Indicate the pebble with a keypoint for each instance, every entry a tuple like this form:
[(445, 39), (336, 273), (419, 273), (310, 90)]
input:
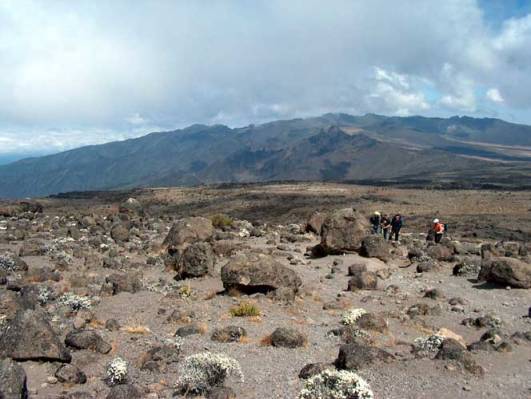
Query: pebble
[(51, 380)]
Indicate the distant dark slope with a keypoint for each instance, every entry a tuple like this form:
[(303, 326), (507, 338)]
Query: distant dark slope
[(334, 155), (119, 164), (359, 147)]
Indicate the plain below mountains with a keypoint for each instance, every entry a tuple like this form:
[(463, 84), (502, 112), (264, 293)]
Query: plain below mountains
[(460, 151)]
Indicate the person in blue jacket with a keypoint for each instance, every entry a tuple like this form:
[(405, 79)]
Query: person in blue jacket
[(396, 225)]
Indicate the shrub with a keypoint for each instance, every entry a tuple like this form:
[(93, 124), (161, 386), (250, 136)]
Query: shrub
[(75, 302), (185, 291), (117, 371), (333, 384), (221, 220), (203, 371), (245, 309), (350, 317), (427, 345)]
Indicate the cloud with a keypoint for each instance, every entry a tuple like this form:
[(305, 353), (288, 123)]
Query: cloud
[(494, 95), (96, 71)]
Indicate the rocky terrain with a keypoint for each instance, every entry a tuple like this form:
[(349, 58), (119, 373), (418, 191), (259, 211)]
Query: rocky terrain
[(265, 291)]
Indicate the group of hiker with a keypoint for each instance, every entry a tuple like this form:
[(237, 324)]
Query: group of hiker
[(390, 227)]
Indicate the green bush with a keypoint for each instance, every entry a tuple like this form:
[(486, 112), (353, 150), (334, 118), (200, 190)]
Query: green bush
[(245, 309), (221, 220)]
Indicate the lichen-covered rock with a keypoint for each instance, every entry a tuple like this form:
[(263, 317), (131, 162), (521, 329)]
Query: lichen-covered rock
[(288, 338), (196, 260), (315, 222), (363, 281), (187, 231), (122, 282), (12, 380), (228, 334), (87, 339), (355, 356), (342, 231), (29, 336), (506, 271), (120, 233), (440, 252), (251, 272), (70, 374), (375, 247)]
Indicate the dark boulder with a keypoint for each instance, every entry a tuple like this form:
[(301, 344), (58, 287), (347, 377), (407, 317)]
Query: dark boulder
[(125, 391), (29, 336), (228, 334), (363, 281), (506, 271), (355, 356), (87, 339), (12, 380), (187, 231), (342, 231), (375, 247), (315, 222), (70, 374), (249, 273), (196, 260), (288, 338)]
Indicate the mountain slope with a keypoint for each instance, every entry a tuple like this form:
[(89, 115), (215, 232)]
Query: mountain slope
[(357, 148)]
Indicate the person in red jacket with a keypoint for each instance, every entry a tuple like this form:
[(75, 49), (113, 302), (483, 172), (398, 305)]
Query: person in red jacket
[(438, 230)]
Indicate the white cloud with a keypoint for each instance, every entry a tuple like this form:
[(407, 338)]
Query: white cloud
[(494, 95), (393, 93), (122, 67)]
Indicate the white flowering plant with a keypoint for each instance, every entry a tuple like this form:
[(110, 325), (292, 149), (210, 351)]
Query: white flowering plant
[(117, 371), (75, 302), (203, 371), (336, 384), (350, 317), (427, 345)]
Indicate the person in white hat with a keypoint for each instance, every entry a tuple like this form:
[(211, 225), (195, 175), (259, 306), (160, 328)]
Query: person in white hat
[(438, 230)]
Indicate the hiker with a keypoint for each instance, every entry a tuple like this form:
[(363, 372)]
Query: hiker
[(396, 225), (385, 225), (438, 230), (375, 222)]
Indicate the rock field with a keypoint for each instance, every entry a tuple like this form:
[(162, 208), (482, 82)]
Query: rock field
[(275, 291)]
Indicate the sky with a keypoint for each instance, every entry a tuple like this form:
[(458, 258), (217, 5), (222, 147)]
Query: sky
[(92, 71)]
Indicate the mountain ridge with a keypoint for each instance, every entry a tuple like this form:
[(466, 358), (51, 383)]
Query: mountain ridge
[(328, 147)]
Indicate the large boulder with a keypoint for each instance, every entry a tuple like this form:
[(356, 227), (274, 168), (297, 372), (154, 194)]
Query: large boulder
[(375, 247), (343, 231), (315, 222), (506, 271), (12, 380), (363, 280), (122, 282), (187, 231), (196, 260), (288, 338), (120, 233), (29, 336), (355, 356), (258, 273), (440, 252), (131, 206), (87, 339)]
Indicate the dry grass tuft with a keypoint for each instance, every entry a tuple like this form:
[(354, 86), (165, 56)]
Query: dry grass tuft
[(141, 330), (266, 341), (245, 309)]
